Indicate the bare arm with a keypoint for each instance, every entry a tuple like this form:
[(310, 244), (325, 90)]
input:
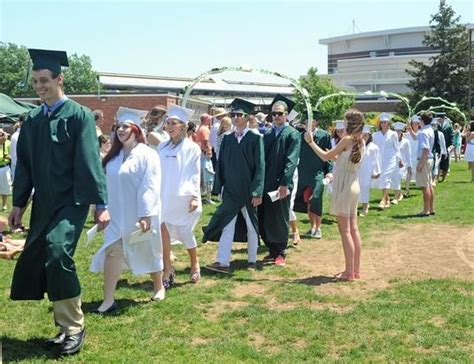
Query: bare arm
[(331, 154)]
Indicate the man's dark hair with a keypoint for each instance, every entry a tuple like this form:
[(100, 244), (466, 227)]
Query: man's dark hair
[(97, 114), (426, 117)]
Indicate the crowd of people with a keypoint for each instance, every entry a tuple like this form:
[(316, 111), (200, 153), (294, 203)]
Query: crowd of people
[(144, 182)]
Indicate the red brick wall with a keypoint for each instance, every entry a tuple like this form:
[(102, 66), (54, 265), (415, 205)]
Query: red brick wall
[(110, 103)]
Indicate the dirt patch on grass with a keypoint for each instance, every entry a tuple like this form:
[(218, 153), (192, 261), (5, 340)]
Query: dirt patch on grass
[(413, 253)]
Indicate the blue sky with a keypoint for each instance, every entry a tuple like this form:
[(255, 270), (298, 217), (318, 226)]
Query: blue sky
[(186, 38)]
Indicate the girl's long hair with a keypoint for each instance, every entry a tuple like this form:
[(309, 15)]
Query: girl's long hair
[(355, 125), (117, 144)]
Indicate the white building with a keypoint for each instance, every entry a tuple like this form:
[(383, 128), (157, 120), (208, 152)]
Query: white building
[(377, 60)]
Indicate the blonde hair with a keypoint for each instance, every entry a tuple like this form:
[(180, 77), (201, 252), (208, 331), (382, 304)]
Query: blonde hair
[(355, 125), (226, 121)]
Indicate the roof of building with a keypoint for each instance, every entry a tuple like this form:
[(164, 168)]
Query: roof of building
[(382, 33), (179, 83)]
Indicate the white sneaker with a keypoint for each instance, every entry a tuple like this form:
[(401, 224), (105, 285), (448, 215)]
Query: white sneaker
[(159, 296), (318, 234)]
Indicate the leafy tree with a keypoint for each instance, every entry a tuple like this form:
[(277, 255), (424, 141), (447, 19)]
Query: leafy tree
[(446, 75), (15, 62), (79, 77), (331, 109)]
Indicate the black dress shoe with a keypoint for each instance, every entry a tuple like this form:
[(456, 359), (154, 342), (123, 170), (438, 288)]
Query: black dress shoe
[(72, 343), (57, 340), (112, 308)]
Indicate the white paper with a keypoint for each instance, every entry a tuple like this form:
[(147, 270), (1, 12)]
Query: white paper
[(139, 237), (91, 234), (292, 115), (274, 195)]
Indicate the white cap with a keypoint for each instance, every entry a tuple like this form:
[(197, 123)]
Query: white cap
[(340, 125), (398, 126), (384, 117), (125, 114), (180, 113), (367, 129), (415, 119)]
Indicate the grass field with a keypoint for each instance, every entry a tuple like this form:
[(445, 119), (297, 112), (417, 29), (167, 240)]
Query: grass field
[(414, 303)]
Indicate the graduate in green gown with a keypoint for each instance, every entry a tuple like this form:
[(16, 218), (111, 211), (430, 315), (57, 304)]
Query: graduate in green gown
[(311, 172), (58, 159), (282, 149), (240, 173)]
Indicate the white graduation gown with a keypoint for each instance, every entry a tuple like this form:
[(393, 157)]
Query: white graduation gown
[(133, 189), (405, 157), (369, 166), (181, 180), (389, 152), (413, 157)]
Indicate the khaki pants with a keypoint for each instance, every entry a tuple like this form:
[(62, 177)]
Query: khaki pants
[(68, 315)]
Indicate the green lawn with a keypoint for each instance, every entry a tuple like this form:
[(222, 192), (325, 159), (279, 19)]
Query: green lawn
[(271, 315)]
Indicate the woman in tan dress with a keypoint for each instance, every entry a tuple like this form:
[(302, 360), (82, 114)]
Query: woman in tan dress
[(349, 152)]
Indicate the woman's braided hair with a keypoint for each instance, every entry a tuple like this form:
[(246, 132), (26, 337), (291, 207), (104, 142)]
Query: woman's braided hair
[(355, 125)]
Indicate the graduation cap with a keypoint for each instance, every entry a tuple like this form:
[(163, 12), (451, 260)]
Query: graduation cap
[(125, 114), (398, 126), (384, 117), (47, 59), (291, 104), (340, 125), (242, 105), (367, 129), (180, 113)]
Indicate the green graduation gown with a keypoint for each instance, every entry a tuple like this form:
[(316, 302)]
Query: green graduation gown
[(240, 170), (281, 159), (311, 172), (58, 156)]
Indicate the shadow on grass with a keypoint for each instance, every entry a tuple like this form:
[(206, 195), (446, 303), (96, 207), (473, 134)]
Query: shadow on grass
[(316, 281), (123, 304), (410, 216), (30, 349)]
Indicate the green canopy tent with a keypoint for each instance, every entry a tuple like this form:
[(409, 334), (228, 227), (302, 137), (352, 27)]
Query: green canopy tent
[(11, 109)]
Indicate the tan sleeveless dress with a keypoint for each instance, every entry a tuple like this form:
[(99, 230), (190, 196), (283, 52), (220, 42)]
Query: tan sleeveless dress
[(346, 188)]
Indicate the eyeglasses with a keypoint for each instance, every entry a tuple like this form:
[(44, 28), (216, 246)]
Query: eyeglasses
[(278, 113), (237, 114)]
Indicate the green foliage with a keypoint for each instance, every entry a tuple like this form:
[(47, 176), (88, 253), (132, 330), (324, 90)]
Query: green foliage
[(331, 109), (446, 75), (15, 63), (79, 77)]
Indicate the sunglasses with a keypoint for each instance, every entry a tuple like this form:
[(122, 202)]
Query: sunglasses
[(278, 113), (237, 114)]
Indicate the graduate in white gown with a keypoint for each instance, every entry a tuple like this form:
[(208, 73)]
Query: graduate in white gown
[(180, 191), (412, 135), (404, 163), (387, 141), (133, 186), (369, 169)]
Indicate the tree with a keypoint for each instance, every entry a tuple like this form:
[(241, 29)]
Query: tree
[(446, 75), (15, 66), (14, 62), (330, 110), (79, 77)]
